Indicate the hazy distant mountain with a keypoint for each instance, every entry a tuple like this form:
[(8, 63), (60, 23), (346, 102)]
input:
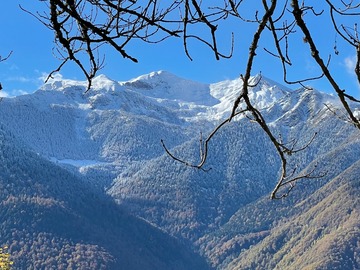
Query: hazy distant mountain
[(76, 144)]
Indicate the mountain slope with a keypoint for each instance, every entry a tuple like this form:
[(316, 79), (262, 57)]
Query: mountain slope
[(323, 236), (52, 220), (267, 234)]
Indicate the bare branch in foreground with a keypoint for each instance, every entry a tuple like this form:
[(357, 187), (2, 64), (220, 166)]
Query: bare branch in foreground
[(203, 146), (6, 57)]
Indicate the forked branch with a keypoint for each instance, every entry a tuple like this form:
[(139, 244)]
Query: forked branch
[(204, 146)]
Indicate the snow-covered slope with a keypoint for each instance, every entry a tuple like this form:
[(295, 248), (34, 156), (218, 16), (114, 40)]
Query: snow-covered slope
[(114, 125), (164, 85), (115, 120), (264, 91)]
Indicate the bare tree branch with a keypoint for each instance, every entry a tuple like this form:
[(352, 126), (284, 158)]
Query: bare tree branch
[(6, 57), (298, 15), (203, 146)]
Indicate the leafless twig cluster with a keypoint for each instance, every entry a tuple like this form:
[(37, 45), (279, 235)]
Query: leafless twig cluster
[(82, 27)]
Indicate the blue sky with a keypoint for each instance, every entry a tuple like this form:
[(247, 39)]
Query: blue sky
[(32, 57)]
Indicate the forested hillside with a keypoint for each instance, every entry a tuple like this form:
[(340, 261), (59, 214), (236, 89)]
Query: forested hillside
[(51, 219)]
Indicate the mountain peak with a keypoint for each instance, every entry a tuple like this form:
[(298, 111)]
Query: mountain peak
[(266, 91), (58, 83), (262, 91), (102, 82), (165, 85), (157, 75)]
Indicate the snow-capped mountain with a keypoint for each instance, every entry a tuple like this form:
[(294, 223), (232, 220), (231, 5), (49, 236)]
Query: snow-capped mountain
[(110, 137), (108, 124)]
